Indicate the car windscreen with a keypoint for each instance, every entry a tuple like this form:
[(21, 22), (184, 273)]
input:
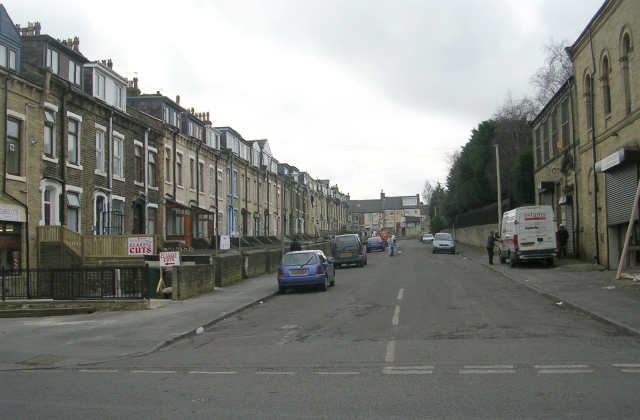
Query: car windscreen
[(444, 237), (303, 258)]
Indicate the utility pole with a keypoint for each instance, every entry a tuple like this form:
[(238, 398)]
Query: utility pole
[(499, 192)]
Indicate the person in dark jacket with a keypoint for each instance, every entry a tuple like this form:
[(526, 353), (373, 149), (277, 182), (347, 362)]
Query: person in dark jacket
[(491, 243), (563, 236), (295, 246)]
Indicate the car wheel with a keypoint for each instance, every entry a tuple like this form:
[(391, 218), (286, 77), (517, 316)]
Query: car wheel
[(433, 251), (325, 285), (365, 260), (512, 261), (333, 282), (282, 290), (453, 251)]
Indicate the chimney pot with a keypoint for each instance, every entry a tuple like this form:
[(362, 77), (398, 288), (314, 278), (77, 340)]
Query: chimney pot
[(110, 64), (178, 99)]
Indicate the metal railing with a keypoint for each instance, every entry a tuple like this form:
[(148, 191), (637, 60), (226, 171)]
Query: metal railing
[(74, 283)]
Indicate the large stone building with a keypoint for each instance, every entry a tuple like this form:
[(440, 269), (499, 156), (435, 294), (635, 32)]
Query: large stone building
[(591, 176)]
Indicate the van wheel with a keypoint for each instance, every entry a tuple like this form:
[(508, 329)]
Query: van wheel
[(512, 261), (550, 262), (502, 259)]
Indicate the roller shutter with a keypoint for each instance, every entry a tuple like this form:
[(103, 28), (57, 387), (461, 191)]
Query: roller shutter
[(621, 187)]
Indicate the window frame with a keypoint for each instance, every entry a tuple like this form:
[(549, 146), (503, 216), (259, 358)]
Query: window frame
[(16, 142), (53, 60), (49, 137), (118, 156)]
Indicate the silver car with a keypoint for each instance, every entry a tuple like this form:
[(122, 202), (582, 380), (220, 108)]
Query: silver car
[(444, 242)]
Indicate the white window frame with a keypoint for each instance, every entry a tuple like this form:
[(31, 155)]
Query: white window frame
[(220, 184), (76, 192), (179, 169), (138, 159), (212, 182), (200, 179), (99, 85), (152, 154), (118, 159), (101, 131), (53, 60), (78, 120), (192, 173), (168, 167), (75, 73), (54, 125), (56, 189)]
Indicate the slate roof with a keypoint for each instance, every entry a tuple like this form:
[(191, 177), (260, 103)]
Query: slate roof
[(365, 206)]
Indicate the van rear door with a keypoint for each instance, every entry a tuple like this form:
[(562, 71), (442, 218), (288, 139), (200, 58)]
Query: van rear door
[(536, 229)]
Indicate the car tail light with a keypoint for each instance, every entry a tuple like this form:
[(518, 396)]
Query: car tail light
[(360, 252), (515, 243), (280, 273), (319, 270)]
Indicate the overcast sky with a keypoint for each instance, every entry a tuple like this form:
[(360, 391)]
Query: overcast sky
[(370, 94)]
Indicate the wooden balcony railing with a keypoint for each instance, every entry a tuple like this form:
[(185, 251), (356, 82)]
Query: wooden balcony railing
[(88, 245)]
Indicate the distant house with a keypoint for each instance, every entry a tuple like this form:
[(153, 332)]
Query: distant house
[(401, 216)]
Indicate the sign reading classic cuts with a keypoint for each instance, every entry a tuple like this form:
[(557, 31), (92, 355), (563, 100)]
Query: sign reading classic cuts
[(169, 259), (140, 246)]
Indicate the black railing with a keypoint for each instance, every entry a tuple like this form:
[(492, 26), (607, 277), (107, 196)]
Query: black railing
[(74, 284), (482, 216)]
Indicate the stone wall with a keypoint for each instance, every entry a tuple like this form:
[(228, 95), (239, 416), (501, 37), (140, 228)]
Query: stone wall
[(191, 280), (475, 235)]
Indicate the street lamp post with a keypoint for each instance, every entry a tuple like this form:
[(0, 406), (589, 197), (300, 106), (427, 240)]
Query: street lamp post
[(499, 192)]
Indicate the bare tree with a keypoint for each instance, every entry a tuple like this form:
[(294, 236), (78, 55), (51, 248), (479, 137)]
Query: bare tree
[(427, 192), (556, 70)]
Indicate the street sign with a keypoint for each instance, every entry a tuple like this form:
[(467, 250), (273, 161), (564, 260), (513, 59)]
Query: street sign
[(140, 245), (169, 259)]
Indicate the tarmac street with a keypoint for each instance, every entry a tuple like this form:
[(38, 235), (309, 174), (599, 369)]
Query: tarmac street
[(414, 336), (93, 338)]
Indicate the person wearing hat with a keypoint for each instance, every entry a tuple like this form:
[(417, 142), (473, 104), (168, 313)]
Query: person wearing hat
[(563, 236), (491, 243)]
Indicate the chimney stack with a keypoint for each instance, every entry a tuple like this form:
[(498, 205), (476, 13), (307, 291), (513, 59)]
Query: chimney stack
[(178, 99)]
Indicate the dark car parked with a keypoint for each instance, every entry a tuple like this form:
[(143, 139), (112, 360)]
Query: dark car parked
[(347, 249)]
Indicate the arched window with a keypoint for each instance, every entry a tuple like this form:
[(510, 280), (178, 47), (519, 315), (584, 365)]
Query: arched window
[(606, 90), (587, 101), (625, 62), (51, 192)]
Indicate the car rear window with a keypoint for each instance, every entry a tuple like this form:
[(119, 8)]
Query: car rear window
[(444, 237), (344, 241), (303, 258), (376, 240)]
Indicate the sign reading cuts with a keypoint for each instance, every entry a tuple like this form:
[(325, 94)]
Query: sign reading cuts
[(140, 246), (169, 259)]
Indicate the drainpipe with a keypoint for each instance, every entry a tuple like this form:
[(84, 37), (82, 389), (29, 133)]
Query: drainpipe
[(596, 258), (110, 173), (197, 168), (146, 179), (175, 156), (63, 153), (217, 222), (575, 177)]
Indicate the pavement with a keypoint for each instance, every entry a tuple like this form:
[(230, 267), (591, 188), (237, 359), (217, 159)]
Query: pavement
[(90, 339)]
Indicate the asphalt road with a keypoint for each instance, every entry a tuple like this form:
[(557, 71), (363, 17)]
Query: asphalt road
[(416, 335)]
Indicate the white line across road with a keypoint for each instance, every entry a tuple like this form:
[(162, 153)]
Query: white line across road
[(213, 373), (628, 368), (563, 369), (400, 294), (337, 373), (97, 371), (166, 372), (487, 369), (408, 370), (396, 316), (274, 373)]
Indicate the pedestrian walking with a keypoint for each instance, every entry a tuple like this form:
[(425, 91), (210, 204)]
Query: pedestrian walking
[(392, 245), (563, 236), (295, 246), (491, 243)]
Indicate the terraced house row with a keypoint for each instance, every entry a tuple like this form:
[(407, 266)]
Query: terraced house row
[(89, 160)]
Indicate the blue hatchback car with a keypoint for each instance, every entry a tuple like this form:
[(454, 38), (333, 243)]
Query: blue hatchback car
[(375, 242), (305, 268)]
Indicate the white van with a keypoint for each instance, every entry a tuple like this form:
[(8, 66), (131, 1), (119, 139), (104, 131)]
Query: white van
[(528, 233)]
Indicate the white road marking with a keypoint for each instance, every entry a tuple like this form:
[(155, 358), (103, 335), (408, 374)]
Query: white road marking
[(400, 294), (274, 373), (630, 370), (213, 373), (153, 371), (565, 371), (391, 348), (407, 370), (97, 371), (396, 316), (561, 366), (337, 373), (626, 365), (482, 369)]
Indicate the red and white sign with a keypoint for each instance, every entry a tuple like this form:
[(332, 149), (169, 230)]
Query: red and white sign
[(169, 259), (140, 246)]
